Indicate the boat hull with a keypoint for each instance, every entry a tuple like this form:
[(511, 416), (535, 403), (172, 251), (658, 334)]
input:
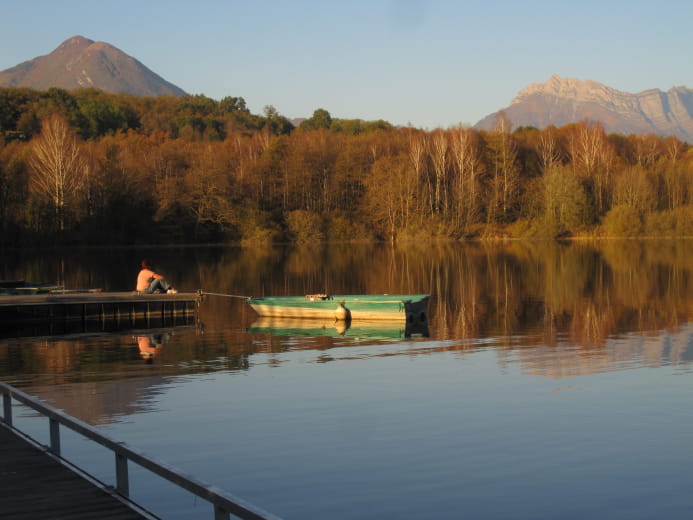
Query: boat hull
[(406, 307)]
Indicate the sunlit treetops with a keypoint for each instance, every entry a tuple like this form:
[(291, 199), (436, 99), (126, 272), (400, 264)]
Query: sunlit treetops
[(191, 169)]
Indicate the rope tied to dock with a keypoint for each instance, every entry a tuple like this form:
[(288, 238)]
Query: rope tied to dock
[(205, 293)]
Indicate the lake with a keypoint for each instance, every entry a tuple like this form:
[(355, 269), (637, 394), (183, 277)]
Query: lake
[(550, 380)]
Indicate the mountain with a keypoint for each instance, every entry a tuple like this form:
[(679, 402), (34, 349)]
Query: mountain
[(79, 62), (561, 101)]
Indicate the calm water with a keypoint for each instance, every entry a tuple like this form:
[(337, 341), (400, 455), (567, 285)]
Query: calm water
[(552, 381)]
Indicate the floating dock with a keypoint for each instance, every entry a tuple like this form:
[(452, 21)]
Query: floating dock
[(116, 306)]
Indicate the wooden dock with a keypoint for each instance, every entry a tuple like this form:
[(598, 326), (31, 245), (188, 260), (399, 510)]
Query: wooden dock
[(116, 306), (36, 486)]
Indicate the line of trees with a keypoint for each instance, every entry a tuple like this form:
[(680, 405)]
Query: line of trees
[(91, 167)]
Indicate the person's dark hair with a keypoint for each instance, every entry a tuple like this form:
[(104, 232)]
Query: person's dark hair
[(146, 264)]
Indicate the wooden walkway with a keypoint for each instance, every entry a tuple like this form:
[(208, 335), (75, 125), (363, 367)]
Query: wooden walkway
[(35, 486), (31, 487)]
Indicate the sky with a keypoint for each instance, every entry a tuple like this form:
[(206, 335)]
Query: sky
[(425, 63)]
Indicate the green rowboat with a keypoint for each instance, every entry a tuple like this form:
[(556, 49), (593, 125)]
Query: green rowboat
[(407, 307)]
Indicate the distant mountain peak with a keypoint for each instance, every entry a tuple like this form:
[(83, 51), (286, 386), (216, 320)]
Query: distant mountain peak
[(75, 41), (561, 101), (558, 86), (79, 62)]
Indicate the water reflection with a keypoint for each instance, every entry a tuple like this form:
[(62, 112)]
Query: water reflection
[(150, 345), (530, 349), (57, 327), (358, 330), (572, 300)]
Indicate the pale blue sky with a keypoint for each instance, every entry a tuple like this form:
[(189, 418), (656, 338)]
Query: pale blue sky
[(429, 63)]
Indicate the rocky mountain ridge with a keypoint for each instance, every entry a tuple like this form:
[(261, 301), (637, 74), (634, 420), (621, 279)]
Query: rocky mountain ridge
[(79, 62), (562, 101)]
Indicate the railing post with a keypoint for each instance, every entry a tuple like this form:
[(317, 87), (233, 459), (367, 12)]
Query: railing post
[(55, 435), (122, 483), (7, 408), (220, 513)]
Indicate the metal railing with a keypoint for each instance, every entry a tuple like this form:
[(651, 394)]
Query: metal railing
[(225, 504)]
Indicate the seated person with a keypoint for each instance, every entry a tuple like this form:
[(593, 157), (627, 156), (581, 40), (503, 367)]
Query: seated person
[(149, 282)]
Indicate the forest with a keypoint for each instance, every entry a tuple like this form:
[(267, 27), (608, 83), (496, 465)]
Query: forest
[(90, 168)]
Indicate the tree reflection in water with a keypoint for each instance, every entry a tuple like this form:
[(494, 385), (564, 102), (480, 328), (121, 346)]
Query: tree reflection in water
[(519, 293)]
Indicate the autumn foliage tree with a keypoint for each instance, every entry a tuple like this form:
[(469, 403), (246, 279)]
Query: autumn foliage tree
[(92, 167)]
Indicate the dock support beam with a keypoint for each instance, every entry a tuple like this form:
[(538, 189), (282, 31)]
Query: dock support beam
[(55, 436), (7, 408), (122, 482)]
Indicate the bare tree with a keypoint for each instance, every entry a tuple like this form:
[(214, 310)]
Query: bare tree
[(467, 161), (505, 179), (634, 188), (439, 155), (593, 158), (548, 149), (647, 150), (418, 145), (585, 143), (674, 149), (57, 165), (677, 185)]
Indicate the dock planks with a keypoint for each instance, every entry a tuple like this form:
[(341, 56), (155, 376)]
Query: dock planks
[(78, 298), (35, 486), (86, 305)]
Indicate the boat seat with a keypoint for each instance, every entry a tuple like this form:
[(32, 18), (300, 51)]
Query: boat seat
[(317, 297)]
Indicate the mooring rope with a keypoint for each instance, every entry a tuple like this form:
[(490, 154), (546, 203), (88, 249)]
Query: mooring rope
[(205, 293)]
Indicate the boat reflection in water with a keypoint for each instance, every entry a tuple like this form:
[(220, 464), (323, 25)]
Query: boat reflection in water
[(381, 330)]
